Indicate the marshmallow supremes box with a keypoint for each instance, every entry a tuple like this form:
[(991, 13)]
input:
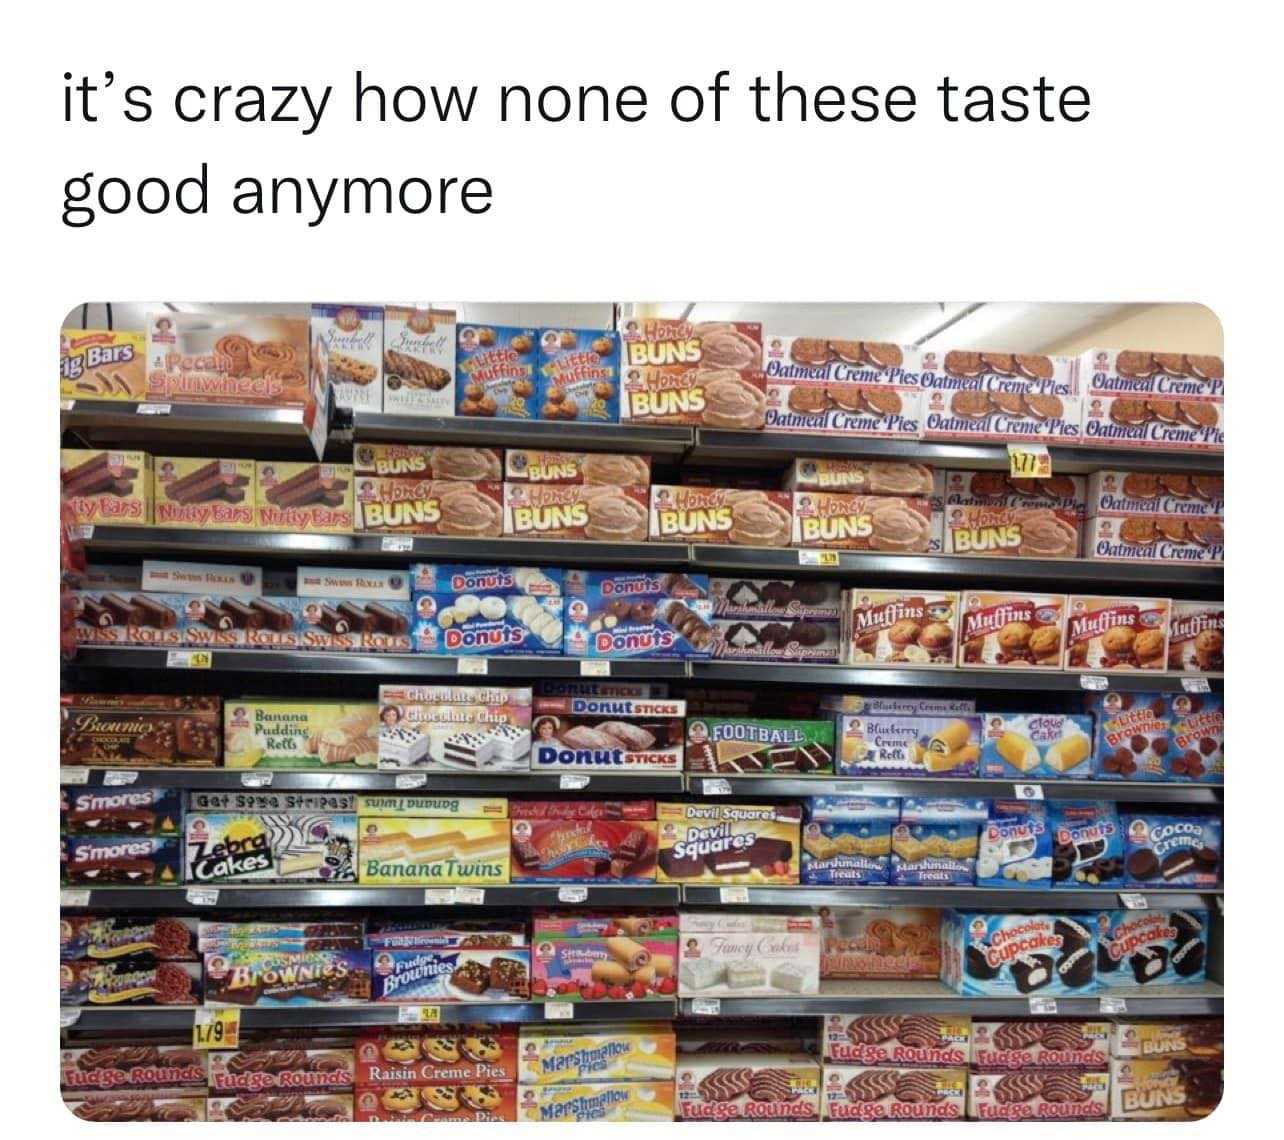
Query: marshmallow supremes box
[(744, 955)]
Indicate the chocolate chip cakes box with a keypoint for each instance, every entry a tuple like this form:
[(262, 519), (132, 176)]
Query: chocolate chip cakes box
[(1152, 947), (1104, 634), (418, 361), (721, 515), (728, 843), (748, 955), (908, 1041), (1135, 398), (898, 628), (753, 744), (1001, 397), (843, 387), (853, 1092), (888, 524), (1043, 746), (880, 746), (349, 338), (454, 727), (1015, 955), (736, 1086)]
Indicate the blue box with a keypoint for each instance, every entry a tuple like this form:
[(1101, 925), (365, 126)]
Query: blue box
[(1132, 736), (847, 840), (1172, 850), (934, 843), (496, 372), (485, 581), (1087, 844), (1036, 746), (1151, 947), (121, 811), (598, 587), (1197, 726), (609, 636), (1016, 846), (464, 625), (450, 975), (1015, 955), (579, 375)]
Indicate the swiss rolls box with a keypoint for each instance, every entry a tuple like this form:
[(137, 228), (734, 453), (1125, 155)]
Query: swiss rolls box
[(1151, 947), (1015, 955), (847, 840)]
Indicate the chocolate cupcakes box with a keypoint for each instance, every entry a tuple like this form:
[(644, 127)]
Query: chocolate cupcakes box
[(1016, 955), (1153, 947)]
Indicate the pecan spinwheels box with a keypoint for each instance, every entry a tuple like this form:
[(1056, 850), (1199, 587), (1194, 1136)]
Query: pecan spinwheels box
[(891, 525), (101, 364), (428, 506), (418, 1055), (1065, 1094), (851, 1092), (261, 1068), (721, 515), (1000, 397), (1011, 628), (574, 842), (593, 512), (911, 1040), (736, 1086), (882, 942), (1168, 400), (728, 843)]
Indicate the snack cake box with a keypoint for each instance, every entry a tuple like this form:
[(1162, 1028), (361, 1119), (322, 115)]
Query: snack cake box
[(303, 496), (592, 513), (465, 625), (458, 578), (349, 339), (495, 372), (1164, 1089), (553, 1055), (1152, 947), (1186, 1039), (1011, 628), (214, 494), (101, 364), (753, 744), (422, 1055), (881, 942), (300, 734), (904, 1040), (135, 980), (1043, 746), (451, 975), (167, 938), (737, 1086), (935, 842), (265, 977), (637, 1101), (418, 361), (621, 629), (121, 860), (596, 957), (139, 730), (908, 745), (860, 477), (1022, 1044), (447, 508), (342, 624), (1172, 850), (854, 1092), (433, 1101), (264, 1069), (416, 462), (1116, 633), (1197, 637), (312, 1107), (107, 487), (898, 627), (531, 465), (728, 843), (881, 523), (159, 1105), (748, 955), (121, 811), (159, 1067), (1014, 955), (1087, 844), (1069, 1094), (579, 375), (573, 842), (1016, 846), (774, 598), (1197, 726), (1132, 736), (607, 734), (1169, 494), (404, 850), (847, 840), (720, 515), (451, 735)]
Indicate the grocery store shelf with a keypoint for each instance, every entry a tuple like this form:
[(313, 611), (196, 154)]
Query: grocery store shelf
[(985, 898), (762, 448), (270, 897), (1114, 790), (560, 435), (112, 421), (935, 997), (93, 1018)]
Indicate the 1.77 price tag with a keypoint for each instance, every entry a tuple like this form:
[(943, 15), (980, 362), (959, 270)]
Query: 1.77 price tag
[(217, 1029), (1029, 461)]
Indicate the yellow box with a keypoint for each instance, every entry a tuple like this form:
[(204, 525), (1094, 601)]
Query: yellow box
[(300, 734), (728, 843), (434, 807), (214, 494), (548, 1055), (303, 496), (101, 364), (111, 488), (430, 852), (609, 1100)]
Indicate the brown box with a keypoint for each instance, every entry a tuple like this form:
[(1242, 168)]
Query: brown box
[(600, 468), (1013, 532), (107, 730), (212, 494), (1105, 634), (896, 942), (720, 515), (1011, 628), (575, 511), (891, 525), (112, 488), (428, 506), (423, 461), (899, 627), (303, 496), (859, 477), (1197, 637)]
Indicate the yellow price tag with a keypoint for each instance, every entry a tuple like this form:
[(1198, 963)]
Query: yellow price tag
[(818, 558), (1029, 461), (189, 659), (217, 1029), (419, 1014)]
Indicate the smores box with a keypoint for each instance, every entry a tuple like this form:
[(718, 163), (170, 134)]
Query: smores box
[(999, 396), (728, 843)]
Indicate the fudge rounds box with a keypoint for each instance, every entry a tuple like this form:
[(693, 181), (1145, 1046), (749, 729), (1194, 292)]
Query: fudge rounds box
[(584, 512), (267, 977), (554, 1055), (748, 955), (1044, 746), (579, 375), (860, 477), (300, 734), (682, 372), (769, 598), (451, 508), (728, 843), (1062, 493), (607, 733), (720, 515), (457, 975), (107, 487), (878, 746), (852, 1092), (159, 1106), (847, 840), (1023, 1044), (1143, 948), (303, 496), (214, 494), (861, 522), (1164, 1089), (101, 364), (908, 1041), (262, 1068), (1011, 628), (753, 744), (522, 465), (1065, 1094), (414, 1055), (1113, 633), (495, 372), (1013, 955), (1172, 850), (604, 957), (305, 1106), (418, 361), (735, 1086), (1197, 637), (132, 1067), (842, 387), (349, 338), (139, 730), (582, 843), (898, 628)]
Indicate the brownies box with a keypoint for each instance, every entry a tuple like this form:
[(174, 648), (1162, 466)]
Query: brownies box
[(466, 624), (847, 840), (623, 628), (899, 628), (495, 372), (267, 977), (1164, 1089), (1140, 538), (607, 733), (303, 496), (637, 1101), (1172, 850), (1187, 1039), (1013, 532), (1042, 746), (132, 1067), (270, 733), (1070, 1094), (446, 727), (583, 512), (165, 938), (527, 465), (604, 957), (881, 746), (579, 375), (728, 843), (769, 598), (853, 1092), (486, 581), (862, 522), (768, 639), (412, 1055), (132, 1107), (1197, 727), (450, 508), (881, 943), (212, 494), (136, 980), (307, 1106), (1152, 947), (101, 364), (121, 811), (842, 387), (935, 841), (1014, 955), (583, 842), (553, 1055), (110, 488), (1024, 1044), (735, 1086), (139, 730), (418, 361), (1111, 633), (121, 860), (262, 1068), (1132, 738), (907, 1041), (1167, 400), (860, 477), (748, 955), (423, 461), (720, 515), (349, 338), (754, 744), (1016, 846), (458, 975), (1197, 637), (1087, 844), (1011, 628), (446, 850), (1169, 494), (433, 1101), (706, 373), (1000, 397), (195, 358)]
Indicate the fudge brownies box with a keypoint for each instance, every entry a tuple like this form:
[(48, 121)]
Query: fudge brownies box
[(496, 372), (736, 1086), (881, 942), (748, 955), (854, 1092), (350, 339), (890, 525), (842, 387), (707, 374), (728, 843), (1104, 634), (579, 375), (595, 513), (1197, 637), (101, 364), (899, 627), (1001, 628), (451, 975), (418, 361), (720, 515), (604, 957)]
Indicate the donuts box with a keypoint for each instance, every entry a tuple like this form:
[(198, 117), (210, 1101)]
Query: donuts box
[(1041, 746), (1023, 1044), (464, 625), (456, 975), (417, 1055), (604, 957), (890, 525), (748, 955), (1026, 531), (554, 1055), (847, 840), (1172, 850), (736, 1086), (458, 579), (1152, 947), (582, 842), (1132, 739), (753, 744), (1014, 955), (589, 1102), (349, 338), (769, 598), (1016, 846), (728, 843), (579, 376), (854, 1092), (419, 461), (621, 734), (522, 465), (842, 387), (266, 1069), (447, 508), (1113, 633), (1197, 637), (418, 361), (431, 1101), (898, 628), (583, 512), (881, 942), (1197, 726), (776, 639), (877, 746), (599, 588), (720, 515), (935, 841), (902, 1040), (860, 477), (1065, 1094), (645, 628), (1087, 844), (707, 374), (496, 372)]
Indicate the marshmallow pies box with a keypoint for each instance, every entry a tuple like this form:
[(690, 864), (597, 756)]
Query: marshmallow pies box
[(1014, 955)]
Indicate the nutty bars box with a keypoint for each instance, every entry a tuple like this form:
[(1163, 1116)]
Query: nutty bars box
[(682, 372), (728, 843), (107, 487), (721, 515), (1109, 633), (597, 512), (100, 364), (889, 524), (303, 496), (1000, 396), (418, 361), (842, 387), (1168, 400), (212, 494), (350, 340)]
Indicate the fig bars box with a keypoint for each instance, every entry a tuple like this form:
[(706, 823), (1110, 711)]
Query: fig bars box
[(419, 361), (728, 843), (898, 627), (99, 364), (604, 957), (748, 955), (1011, 628), (349, 339)]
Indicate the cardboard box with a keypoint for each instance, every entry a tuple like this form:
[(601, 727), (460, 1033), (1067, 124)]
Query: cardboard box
[(434, 1101), (1012, 532), (1172, 850), (579, 375), (1036, 746), (754, 744), (1104, 634), (1132, 736), (486, 581), (1016, 846), (604, 957), (898, 627), (569, 848), (433, 807), (728, 843), (1168, 494), (880, 746), (999, 489), (340, 625), (881, 943), (418, 361), (100, 364), (1199, 1038), (446, 727), (1013, 628), (350, 340), (599, 588), (1152, 948), (607, 733), (455, 975), (464, 625), (1197, 637), (860, 477), (682, 372), (593, 513), (553, 1055), (121, 860), (847, 840), (424, 1055), (430, 852), (300, 734), (592, 467), (763, 639), (428, 506), (309, 1106), (901, 1040), (998, 1046), (853, 1092), (496, 372), (1142, 538), (936, 841), (1070, 1095), (1087, 844), (769, 598), (426, 461), (1164, 1089), (862, 522), (121, 811), (621, 628), (117, 1106), (722, 516), (352, 584), (257, 1069), (109, 730), (641, 1101), (771, 1086), (303, 496), (111, 488), (748, 955), (1197, 727), (164, 1067), (1015, 955)]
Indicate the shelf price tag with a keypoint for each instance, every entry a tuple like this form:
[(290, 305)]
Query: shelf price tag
[(1094, 682), (818, 558), (217, 1029), (419, 1015), (572, 781), (406, 780), (1029, 461), (1028, 791), (1113, 1005), (202, 896), (733, 894), (1043, 1006), (73, 775), (439, 896), (1134, 900), (572, 894), (470, 896), (67, 405), (706, 1007), (590, 668), (559, 1010), (472, 666), (1196, 685), (68, 1017), (75, 897), (715, 787), (189, 659), (396, 544), (256, 779), (119, 778), (153, 409), (85, 532)]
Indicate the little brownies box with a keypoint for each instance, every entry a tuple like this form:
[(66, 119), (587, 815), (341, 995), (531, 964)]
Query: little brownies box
[(1172, 850), (748, 955), (583, 841), (1012, 955), (1131, 741), (1149, 947), (847, 840), (607, 734), (597, 957), (728, 843)]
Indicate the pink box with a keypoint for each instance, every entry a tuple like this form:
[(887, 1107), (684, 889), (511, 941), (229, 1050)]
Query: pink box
[(604, 957)]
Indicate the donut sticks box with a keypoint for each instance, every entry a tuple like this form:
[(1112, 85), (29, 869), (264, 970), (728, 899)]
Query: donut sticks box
[(582, 842), (597, 957), (415, 1055), (579, 375), (728, 843), (1087, 844), (1167, 400), (842, 387), (708, 374), (736, 1086), (1024, 1044), (897, 628), (1197, 728), (1164, 1089), (1132, 738), (1104, 634), (877, 746), (1172, 850), (555, 1055), (853, 1092), (1040, 746), (1059, 1094), (722, 954), (889, 525), (1151, 947), (881, 943), (721, 515), (620, 734), (496, 372), (908, 1041), (999, 629), (1197, 637), (1014, 955), (999, 396)]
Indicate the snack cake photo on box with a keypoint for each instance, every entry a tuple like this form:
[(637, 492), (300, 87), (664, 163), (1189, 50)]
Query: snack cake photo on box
[(728, 843), (1145, 948), (1044, 746), (1087, 844), (736, 1086), (881, 942), (1197, 728), (554, 1055), (579, 375), (898, 1039), (878, 746), (936, 840), (424, 851), (1132, 736), (583, 1103), (414, 1055), (293, 734), (852, 1092), (495, 372), (748, 955), (580, 842), (1016, 846), (451, 975), (747, 745), (1019, 954), (597, 957), (847, 840), (1172, 850)]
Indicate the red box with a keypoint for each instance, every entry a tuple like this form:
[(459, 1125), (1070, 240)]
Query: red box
[(562, 842), (472, 1053)]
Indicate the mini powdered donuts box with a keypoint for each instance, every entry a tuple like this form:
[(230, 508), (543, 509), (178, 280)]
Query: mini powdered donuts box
[(107, 487), (935, 841), (461, 975), (1087, 844), (1168, 400), (1018, 954), (769, 598), (1164, 1089), (860, 477), (1016, 846), (720, 515), (898, 628), (1001, 397), (1110, 633), (550, 1055), (593, 512), (100, 364), (424, 461), (636, 1101), (907, 745), (579, 842), (1065, 1094), (728, 843), (882, 942), (891, 525), (751, 744), (1142, 948), (623, 628), (418, 361), (263, 1069), (1132, 739), (1045, 746), (847, 840), (428, 506), (289, 734), (748, 955), (1012, 532), (303, 496), (579, 375), (908, 1041), (852, 1092), (139, 730), (420, 1055), (485, 581), (349, 338), (1197, 637), (1172, 850), (607, 734), (604, 957), (1021, 629), (495, 372), (467, 624), (842, 387), (1190, 1039), (1002, 1045), (594, 468), (215, 494), (736, 1086), (1197, 727), (600, 588), (432, 851), (681, 372)]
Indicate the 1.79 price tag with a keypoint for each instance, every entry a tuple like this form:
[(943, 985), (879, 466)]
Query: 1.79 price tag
[(217, 1029), (1029, 461)]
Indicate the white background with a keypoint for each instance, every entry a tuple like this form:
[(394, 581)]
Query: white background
[(1161, 195)]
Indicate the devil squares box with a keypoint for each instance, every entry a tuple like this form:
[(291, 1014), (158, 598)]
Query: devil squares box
[(1152, 947), (1015, 955), (728, 843)]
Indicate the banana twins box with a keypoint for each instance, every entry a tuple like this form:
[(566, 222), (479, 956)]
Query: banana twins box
[(728, 843), (402, 850)]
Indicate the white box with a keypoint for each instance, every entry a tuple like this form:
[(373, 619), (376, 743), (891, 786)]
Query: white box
[(748, 955), (418, 361), (348, 341)]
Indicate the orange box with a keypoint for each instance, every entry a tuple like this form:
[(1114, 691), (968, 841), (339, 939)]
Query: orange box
[(438, 1101), (1105, 634), (1025, 630), (428, 506), (1013, 532), (484, 1054), (575, 511)]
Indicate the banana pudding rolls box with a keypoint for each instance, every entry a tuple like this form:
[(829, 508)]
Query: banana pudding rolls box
[(728, 843), (604, 956), (290, 734)]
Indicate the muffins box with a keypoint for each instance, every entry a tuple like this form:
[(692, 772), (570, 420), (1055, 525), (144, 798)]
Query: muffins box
[(579, 375), (418, 361), (1104, 634), (1000, 397), (720, 515), (890, 525), (899, 627), (1197, 637), (496, 372), (596, 513), (1000, 628)]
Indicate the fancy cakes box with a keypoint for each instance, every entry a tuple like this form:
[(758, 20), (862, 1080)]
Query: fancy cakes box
[(1016, 955), (748, 955)]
